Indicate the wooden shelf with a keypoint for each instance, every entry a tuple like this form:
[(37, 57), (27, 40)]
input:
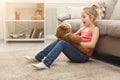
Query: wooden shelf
[(24, 24), (41, 39), (24, 20)]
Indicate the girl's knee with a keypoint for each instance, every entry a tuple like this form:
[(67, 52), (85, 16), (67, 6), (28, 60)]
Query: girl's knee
[(62, 42)]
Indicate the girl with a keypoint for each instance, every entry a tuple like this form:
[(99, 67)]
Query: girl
[(90, 34)]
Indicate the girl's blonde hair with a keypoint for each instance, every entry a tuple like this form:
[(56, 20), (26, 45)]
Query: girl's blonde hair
[(91, 12)]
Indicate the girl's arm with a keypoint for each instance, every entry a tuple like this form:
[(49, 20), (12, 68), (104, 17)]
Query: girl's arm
[(78, 32), (95, 36)]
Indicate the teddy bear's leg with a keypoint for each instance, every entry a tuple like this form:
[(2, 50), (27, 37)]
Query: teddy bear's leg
[(83, 49)]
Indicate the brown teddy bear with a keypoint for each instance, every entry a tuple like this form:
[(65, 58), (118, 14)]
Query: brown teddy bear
[(64, 32), (39, 12)]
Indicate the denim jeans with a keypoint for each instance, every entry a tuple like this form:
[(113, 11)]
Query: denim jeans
[(52, 51)]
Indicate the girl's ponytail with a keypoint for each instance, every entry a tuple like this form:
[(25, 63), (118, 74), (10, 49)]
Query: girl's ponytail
[(95, 9)]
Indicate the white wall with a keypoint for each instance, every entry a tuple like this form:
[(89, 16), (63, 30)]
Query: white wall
[(66, 1), (69, 1)]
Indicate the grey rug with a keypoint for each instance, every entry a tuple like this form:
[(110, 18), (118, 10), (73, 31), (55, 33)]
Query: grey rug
[(14, 67)]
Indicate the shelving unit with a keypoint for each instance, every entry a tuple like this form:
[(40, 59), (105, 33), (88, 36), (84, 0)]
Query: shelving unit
[(20, 27)]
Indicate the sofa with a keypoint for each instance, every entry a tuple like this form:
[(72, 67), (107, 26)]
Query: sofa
[(109, 40)]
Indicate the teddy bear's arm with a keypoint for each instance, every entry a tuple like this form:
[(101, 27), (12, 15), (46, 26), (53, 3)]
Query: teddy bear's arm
[(75, 38)]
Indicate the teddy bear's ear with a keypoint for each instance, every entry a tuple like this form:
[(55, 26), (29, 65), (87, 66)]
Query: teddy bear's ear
[(64, 28)]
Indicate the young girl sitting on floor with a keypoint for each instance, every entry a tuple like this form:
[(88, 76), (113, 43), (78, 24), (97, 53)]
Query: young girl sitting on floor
[(90, 35)]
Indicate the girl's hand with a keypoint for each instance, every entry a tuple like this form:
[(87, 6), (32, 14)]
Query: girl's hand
[(82, 44)]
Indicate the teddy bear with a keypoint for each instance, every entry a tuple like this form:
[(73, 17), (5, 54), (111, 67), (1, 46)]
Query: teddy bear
[(64, 32), (39, 12), (100, 8)]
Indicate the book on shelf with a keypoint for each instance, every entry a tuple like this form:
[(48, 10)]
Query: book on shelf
[(36, 33), (31, 33)]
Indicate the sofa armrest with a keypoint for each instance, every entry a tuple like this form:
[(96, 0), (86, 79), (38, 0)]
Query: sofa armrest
[(63, 16), (114, 29), (109, 27)]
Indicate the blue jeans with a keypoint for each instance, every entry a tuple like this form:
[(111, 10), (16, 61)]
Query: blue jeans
[(52, 51)]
